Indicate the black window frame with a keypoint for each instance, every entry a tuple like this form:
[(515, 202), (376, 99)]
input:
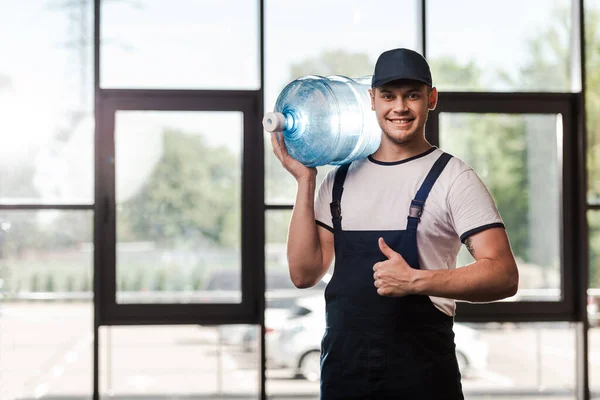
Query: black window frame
[(248, 310), (567, 105)]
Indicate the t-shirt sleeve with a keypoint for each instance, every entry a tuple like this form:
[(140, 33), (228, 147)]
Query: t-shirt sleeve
[(323, 200), (472, 208)]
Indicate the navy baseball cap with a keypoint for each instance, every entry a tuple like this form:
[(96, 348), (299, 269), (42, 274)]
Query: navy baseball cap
[(401, 64)]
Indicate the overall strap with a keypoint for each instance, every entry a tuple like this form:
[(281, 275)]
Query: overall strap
[(416, 205), (338, 188)]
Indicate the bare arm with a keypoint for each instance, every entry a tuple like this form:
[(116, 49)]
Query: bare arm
[(309, 246), (493, 276)]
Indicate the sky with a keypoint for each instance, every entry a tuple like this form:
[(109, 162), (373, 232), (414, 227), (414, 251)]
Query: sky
[(210, 44)]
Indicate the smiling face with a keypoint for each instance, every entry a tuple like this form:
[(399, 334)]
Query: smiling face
[(402, 108)]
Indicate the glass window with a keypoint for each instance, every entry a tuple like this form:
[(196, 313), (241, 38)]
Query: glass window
[(489, 46), (46, 310), (345, 39), (594, 247), (524, 360), (182, 44), (593, 300), (517, 157), (194, 360), (284, 303), (46, 98), (178, 187), (592, 86)]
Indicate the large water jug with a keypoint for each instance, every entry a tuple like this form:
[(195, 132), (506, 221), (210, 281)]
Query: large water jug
[(326, 120)]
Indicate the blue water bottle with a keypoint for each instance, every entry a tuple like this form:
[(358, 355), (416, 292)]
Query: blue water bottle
[(326, 120)]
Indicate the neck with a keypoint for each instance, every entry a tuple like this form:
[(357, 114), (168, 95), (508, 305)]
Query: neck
[(391, 151)]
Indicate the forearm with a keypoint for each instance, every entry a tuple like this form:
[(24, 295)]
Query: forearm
[(482, 281), (303, 249)]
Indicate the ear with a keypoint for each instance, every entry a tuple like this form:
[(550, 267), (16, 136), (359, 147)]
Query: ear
[(372, 94), (433, 99)]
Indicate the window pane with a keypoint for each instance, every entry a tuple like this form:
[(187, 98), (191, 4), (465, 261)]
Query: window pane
[(183, 44), (179, 206), (282, 301), (594, 244), (348, 41), (46, 98), (593, 300), (46, 310), (517, 158), (592, 86), (486, 46), (168, 361), (525, 360)]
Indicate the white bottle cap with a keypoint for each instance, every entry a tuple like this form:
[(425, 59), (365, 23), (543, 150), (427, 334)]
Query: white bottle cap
[(274, 122)]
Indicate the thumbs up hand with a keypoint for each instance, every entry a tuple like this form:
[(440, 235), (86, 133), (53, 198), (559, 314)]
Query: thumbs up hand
[(393, 277)]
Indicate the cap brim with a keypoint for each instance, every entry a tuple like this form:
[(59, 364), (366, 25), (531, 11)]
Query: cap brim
[(384, 81)]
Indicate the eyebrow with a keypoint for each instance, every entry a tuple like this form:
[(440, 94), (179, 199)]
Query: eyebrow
[(409, 90)]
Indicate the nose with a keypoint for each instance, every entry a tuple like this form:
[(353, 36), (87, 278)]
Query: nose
[(400, 105)]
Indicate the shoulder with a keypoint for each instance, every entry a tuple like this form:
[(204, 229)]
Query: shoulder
[(459, 181), (454, 169), (463, 184), (351, 170), (330, 175), (456, 166)]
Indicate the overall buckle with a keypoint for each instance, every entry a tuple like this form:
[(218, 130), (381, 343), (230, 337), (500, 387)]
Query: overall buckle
[(416, 209)]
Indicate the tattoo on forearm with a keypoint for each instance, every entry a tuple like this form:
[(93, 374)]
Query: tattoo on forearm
[(469, 245)]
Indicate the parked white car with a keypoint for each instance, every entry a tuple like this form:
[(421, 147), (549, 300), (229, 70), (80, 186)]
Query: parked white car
[(280, 296), (275, 319), (300, 341)]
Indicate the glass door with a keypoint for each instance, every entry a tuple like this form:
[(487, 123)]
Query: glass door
[(180, 260)]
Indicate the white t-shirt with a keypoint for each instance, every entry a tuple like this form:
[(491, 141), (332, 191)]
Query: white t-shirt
[(377, 196)]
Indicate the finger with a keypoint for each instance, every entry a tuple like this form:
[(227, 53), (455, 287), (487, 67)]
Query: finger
[(385, 249), (274, 141), (282, 146), (377, 283), (282, 152), (276, 146)]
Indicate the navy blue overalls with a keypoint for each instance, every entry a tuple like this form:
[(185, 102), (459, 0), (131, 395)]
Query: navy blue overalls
[(378, 347)]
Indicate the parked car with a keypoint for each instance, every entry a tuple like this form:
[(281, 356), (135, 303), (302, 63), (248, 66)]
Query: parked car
[(275, 319), (300, 341), (281, 295)]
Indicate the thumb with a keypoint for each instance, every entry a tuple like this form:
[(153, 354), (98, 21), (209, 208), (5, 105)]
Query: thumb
[(385, 249)]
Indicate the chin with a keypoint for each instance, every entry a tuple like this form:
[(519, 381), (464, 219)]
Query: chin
[(401, 138)]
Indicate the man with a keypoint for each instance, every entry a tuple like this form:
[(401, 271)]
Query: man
[(395, 233)]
